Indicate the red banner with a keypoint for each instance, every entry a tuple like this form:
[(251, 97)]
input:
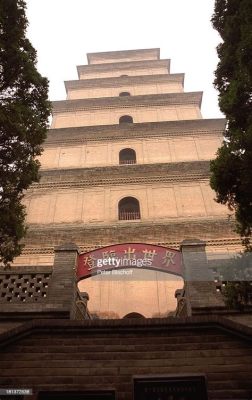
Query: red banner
[(129, 255)]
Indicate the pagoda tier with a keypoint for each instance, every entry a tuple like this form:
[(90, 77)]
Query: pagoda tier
[(124, 55), (137, 85), (122, 69), (190, 98), (109, 110), (197, 127)]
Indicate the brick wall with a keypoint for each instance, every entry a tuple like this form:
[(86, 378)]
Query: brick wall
[(64, 355)]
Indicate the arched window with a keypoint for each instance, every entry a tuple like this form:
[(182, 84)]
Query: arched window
[(123, 76), (128, 209), (125, 119), (127, 156), (124, 94)]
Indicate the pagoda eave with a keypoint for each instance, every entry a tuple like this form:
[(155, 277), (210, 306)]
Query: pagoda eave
[(124, 65), (106, 56), (149, 129), (167, 99), (123, 174), (122, 81)]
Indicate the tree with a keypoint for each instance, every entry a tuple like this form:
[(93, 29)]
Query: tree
[(24, 112), (237, 275), (232, 169)]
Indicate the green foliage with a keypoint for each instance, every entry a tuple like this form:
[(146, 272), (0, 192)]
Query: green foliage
[(237, 273), (238, 295), (24, 112), (231, 171)]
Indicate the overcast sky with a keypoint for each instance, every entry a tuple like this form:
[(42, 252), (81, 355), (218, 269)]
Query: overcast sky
[(63, 31)]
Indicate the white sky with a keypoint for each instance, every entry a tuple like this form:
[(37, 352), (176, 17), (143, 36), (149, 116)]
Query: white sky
[(63, 31)]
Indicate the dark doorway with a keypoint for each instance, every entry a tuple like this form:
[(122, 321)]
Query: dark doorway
[(175, 388)]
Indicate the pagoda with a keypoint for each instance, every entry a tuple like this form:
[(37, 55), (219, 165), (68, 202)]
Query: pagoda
[(127, 160)]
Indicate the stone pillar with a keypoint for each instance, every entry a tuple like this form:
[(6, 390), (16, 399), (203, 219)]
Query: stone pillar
[(62, 292), (200, 291)]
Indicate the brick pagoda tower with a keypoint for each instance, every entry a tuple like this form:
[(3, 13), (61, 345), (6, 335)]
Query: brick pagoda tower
[(127, 160)]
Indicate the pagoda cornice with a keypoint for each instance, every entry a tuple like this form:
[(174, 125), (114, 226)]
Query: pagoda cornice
[(169, 232), (166, 99), (81, 69), (224, 225), (121, 175), (122, 81), (108, 55), (140, 130)]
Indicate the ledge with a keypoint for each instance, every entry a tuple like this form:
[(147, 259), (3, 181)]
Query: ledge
[(107, 55), (85, 248), (137, 130), (122, 174), (169, 232), (122, 81), (169, 99), (29, 269), (124, 65), (155, 225), (124, 326)]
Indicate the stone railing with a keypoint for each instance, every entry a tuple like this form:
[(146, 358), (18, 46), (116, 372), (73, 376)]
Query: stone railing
[(30, 292), (127, 162), (24, 285), (127, 216)]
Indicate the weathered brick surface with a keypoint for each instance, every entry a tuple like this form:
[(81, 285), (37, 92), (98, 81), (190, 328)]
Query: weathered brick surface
[(128, 101), (93, 355), (118, 81), (148, 129), (172, 232), (175, 170)]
